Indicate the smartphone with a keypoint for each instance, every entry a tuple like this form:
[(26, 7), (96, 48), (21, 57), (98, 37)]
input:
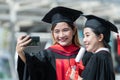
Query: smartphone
[(35, 41)]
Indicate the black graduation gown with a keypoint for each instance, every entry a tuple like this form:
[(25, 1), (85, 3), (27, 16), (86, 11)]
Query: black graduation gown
[(99, 67), (22, 70), (42, 65), (45, 64)]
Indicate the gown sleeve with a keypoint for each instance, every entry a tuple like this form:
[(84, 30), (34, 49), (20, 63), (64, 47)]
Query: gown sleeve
[(99, 67), (86, 57), (21, 69), (36, 65)]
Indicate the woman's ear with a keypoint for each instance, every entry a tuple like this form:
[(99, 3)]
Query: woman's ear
[(101, 36)]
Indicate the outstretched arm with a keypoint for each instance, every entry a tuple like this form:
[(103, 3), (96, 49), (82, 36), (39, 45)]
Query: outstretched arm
[(22, 41)]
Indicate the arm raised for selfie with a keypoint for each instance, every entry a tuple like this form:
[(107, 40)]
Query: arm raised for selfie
[(22, 42)]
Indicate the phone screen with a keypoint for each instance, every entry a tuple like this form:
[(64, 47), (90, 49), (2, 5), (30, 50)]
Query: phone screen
[(35, 41)]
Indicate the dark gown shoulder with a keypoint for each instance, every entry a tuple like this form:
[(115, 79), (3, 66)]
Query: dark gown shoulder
[(99, 67)]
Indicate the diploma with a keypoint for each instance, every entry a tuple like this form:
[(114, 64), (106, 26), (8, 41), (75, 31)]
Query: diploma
[(80, 54)]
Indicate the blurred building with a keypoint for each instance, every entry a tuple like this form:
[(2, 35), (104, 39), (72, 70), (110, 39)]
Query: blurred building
[(24, 17)]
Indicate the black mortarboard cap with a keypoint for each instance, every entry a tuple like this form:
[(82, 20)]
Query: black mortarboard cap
[(61, 14), (100, 25)]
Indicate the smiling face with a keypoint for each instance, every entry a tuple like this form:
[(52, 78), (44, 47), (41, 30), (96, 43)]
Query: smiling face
[(63, 34), (91, 41)]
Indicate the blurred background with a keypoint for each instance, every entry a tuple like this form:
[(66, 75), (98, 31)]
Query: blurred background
[(18, 17)]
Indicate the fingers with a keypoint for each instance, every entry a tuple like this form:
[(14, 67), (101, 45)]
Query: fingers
[(23, 40), (80, 78), (22, 37), (72, 74)]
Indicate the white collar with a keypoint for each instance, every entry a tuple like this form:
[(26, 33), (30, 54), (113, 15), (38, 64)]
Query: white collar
[(105, 49)]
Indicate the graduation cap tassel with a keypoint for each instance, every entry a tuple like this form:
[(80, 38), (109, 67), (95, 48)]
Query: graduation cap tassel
[(118, 44)]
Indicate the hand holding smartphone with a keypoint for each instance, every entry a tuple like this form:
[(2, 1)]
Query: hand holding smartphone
[(34, 45)]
